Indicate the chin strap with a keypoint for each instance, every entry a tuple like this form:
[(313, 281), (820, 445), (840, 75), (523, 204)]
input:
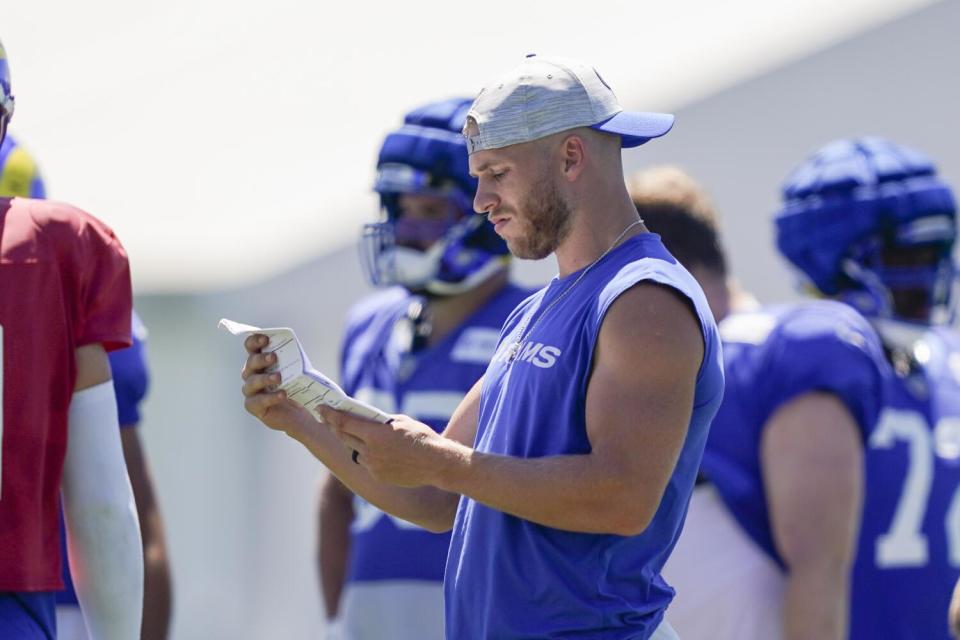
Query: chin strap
[(898, 334), (872, 299)]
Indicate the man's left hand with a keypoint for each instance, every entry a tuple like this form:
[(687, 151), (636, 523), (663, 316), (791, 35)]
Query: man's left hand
[(403, 452)]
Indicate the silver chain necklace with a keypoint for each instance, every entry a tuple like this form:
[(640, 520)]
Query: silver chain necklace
[(524, 332)]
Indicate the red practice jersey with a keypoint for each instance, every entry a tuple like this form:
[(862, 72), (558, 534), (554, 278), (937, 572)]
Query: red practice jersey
[(64, 283)]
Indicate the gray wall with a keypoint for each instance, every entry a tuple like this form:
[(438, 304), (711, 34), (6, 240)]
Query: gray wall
[(239, 500), (898, 81)]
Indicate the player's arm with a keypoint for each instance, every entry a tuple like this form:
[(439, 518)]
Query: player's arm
[(157, 588), (955, 612), (812, 464), (333, 546), (638, 407), (428, 507), (104, 535)]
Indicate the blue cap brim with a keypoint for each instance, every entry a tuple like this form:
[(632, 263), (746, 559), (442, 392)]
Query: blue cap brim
[(636, 127)]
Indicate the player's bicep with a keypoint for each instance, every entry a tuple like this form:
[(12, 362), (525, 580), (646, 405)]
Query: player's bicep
[(106, 554), (462, 426), (812, 464), (93, 366), (641, 391)]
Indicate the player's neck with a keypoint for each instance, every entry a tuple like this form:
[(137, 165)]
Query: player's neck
[(449, 312), (594, 233)]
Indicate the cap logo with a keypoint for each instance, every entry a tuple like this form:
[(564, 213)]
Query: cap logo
[(473, 139), (604, 82), (473, 144)]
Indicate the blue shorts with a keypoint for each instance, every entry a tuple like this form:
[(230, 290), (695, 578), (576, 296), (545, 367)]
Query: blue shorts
[(28, 616)]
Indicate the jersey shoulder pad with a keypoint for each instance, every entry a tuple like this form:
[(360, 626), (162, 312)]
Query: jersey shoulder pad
[(387, 302), (824, 346)]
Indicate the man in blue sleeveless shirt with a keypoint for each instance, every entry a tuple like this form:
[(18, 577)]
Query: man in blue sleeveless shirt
[(417, 347), (566, 472)]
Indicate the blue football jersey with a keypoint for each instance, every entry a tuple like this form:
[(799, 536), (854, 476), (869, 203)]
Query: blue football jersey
[(772, 356), (512, 578), (909, 547), (130, 379), (908, 558), (379, 366)]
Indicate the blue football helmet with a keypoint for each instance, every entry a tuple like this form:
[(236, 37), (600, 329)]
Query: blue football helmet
[(19, 174), (6, 93), (868, 221), (451, 250)]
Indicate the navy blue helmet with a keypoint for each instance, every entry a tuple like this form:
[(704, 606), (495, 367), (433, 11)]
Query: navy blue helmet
[(869, 221), (451, 250)]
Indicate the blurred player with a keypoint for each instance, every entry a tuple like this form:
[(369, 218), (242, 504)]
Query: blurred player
[(886, 230), (415, 348), (869, 223), (802, 383), (64, 302), (20, 177)]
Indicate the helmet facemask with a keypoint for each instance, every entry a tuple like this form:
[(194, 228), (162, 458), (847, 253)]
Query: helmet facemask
[(906, 274), (422, 242), (407, 246), (428, 240)]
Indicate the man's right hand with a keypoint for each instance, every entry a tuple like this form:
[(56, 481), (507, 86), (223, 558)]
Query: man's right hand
[(271, 407)]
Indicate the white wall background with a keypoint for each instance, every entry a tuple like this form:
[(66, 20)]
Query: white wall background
[(239, 500), (202, 128), (898, 81)]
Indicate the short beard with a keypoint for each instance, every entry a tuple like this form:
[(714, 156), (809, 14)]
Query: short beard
[(547, 217)]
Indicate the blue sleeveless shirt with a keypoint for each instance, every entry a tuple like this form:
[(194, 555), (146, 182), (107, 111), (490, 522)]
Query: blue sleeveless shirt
[(511, 578)]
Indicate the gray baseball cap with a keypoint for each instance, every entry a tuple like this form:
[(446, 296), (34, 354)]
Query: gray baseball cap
[(543, 96)]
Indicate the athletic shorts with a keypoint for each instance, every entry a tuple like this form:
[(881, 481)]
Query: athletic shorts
[(28, 616)]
